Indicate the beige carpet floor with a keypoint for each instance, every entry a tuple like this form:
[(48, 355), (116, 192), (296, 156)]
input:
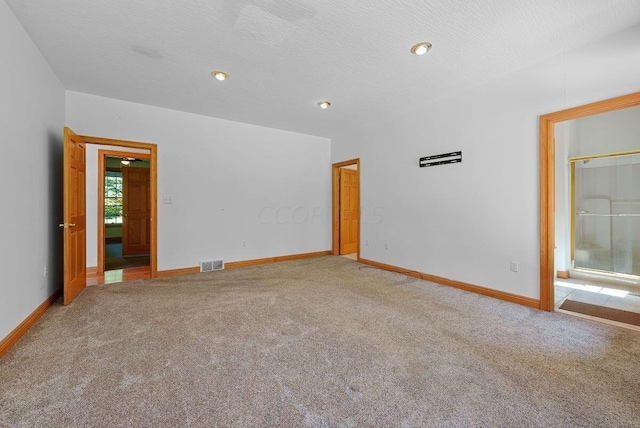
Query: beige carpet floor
[(318, 342)]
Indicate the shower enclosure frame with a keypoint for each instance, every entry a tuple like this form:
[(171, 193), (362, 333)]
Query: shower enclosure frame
[(572, 163)]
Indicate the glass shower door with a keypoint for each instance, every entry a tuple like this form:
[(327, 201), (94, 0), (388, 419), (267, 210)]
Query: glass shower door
[(606, 224)]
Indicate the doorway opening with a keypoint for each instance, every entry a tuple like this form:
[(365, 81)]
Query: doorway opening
[(346, 209), (74, 223), (558, 278), (124, 212)]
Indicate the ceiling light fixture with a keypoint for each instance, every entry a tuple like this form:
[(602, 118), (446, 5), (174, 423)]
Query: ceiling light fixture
[(323, 104), (421, 48), (127, 160), (220, 75)]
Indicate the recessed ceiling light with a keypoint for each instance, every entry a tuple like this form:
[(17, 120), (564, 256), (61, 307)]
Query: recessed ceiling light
[(220, 75), (323, 104), (421, 48)]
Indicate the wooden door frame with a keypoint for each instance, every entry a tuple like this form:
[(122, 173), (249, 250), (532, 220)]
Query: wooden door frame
[(102, 155), (153, 187), (547, 183), (336, 202)]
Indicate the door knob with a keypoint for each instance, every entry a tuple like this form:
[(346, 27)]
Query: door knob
[(67, 225)]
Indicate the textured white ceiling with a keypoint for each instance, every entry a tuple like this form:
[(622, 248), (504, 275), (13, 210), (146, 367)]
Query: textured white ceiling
[(285, 55)]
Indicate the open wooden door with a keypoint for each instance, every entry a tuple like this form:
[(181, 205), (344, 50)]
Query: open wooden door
[(75, 272), (349, 207), (136, 211)]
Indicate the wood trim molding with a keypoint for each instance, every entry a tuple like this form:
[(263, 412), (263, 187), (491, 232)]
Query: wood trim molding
[(547, 183), (513, 298), (154, 211), (245, 263), (174, 272), (25, 325), (153, 153), (101, 177), (335, 212), (547, 214), (335, 203), (122, 143), (563, 274), (102, 161), (254, 262)]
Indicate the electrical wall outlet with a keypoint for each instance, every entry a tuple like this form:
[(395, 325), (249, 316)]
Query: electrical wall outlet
[(166, 199), (366, 243), (386, 245), (44, 273), (514, 266), (244, 243)]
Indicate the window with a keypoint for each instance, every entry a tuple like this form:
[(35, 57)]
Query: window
[(113, 197)]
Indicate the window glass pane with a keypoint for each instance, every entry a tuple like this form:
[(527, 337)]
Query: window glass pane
[(113, 197)]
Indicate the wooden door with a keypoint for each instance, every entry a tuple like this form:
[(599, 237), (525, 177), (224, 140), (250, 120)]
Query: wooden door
[(75, 246), (136, 211), (349, 211)]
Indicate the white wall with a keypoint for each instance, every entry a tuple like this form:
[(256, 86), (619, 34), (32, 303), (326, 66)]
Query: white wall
[(229, 182), (32, 112), (468, 221), (561, 210), (616, 131), (91, 181)]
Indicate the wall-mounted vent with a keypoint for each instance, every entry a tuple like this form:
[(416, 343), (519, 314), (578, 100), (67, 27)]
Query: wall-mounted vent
[(211, 265)]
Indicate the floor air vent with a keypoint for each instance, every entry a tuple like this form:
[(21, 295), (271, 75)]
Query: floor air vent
[(211, 265)]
